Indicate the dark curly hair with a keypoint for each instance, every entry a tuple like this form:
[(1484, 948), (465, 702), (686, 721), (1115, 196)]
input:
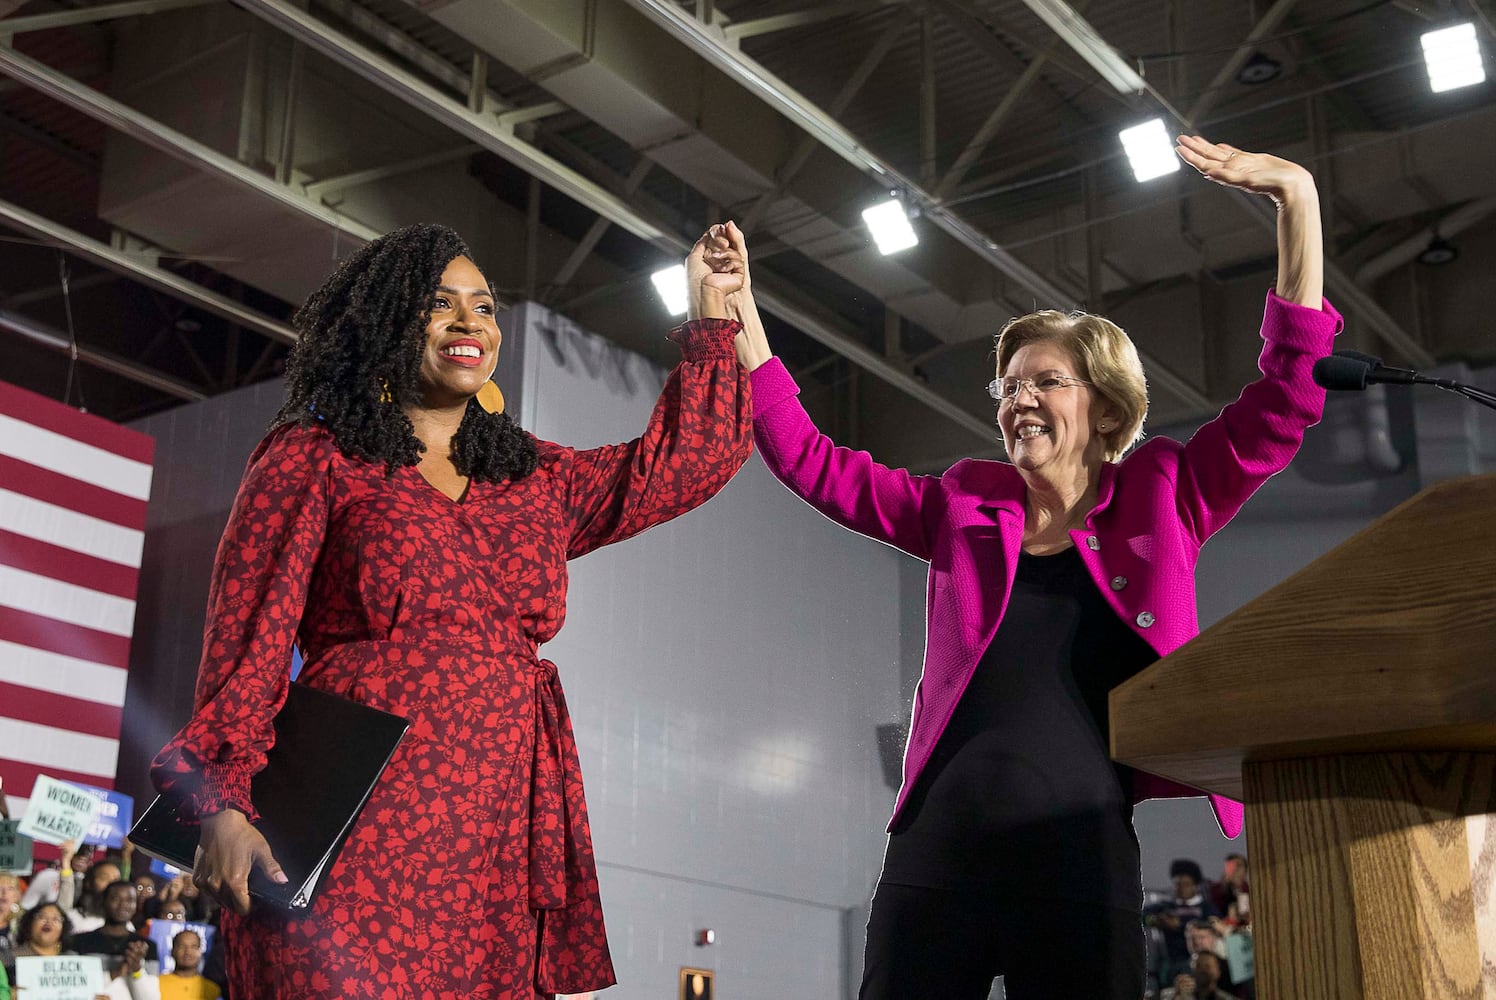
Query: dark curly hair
[(28, 920), (362, 334)]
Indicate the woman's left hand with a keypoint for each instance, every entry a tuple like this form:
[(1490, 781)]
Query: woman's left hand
[(714, 270), (1258, 173)]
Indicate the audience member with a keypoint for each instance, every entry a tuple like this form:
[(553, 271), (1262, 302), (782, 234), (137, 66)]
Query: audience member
[(10, 910), (184, 982), (88, 914), (1171, 916), (1201, 982), (117, 934), (1233, 882), (42, 930)]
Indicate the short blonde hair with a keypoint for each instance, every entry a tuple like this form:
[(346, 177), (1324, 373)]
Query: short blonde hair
[(1104, 355)]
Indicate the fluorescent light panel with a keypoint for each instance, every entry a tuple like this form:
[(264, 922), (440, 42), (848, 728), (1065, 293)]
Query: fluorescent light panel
[(1453, 57), (1150, 150), (671, 284), (1088, 44), (889, 224)]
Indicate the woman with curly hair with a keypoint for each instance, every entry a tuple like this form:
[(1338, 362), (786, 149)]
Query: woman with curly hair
[(412, 540), (42, 930)]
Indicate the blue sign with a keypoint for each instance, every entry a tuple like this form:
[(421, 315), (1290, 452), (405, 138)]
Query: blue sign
[(114, 819), (163, 869)]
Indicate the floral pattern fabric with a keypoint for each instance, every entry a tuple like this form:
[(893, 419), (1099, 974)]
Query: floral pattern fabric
[(470, 871)]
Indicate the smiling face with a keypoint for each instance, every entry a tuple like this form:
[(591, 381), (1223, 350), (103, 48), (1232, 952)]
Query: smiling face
[(462, 338), (119, 903), (1053, 433)]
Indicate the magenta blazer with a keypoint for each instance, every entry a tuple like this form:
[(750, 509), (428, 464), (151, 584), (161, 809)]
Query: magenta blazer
[(1156, 508)]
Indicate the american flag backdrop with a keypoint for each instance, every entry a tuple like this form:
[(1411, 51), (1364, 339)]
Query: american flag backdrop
[(73, 492)]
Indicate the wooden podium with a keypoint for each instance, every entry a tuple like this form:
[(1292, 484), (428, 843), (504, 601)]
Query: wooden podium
[(1353, 709)]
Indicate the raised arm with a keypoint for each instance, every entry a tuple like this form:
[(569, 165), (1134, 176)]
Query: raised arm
[(847, 486), (698, 436), (1301, 251), (1230, 457)]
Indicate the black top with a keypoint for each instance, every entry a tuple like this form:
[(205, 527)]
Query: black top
[(96, 942), (1020, 796)]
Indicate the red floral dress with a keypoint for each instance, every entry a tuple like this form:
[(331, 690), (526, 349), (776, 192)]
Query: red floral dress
[(470, 871)]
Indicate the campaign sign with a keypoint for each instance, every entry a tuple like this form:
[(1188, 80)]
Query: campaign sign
[(15, 848), (163, 869), (60, 977), (58, 811), (162, 931), (114, 818)]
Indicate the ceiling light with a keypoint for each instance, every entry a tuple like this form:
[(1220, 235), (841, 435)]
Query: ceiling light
[(889, 224), (1453, 57), (1439, 251), (1090, 46), (1150, 150), (671, 284), (1259, 69)]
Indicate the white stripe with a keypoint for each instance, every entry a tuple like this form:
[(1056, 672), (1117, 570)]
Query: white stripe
[(62, 749), (47, 522), (74, 459), (46, 671), (17, 806), (66, 602)]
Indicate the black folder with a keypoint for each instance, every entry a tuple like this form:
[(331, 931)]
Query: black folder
[(328, 754)]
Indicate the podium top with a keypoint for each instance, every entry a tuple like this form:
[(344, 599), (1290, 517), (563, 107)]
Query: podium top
[(1387, 642)]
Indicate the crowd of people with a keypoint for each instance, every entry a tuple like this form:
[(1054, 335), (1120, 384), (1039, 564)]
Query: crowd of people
[(88, 905), (1200, 934), (1199, 931)]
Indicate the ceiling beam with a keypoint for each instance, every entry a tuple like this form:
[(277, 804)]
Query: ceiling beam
[(831, 134), (844, 97), (55, 340), (486, 130), (132, 123), (1215, 89), (93, 15), (174, 285), (739, 30)]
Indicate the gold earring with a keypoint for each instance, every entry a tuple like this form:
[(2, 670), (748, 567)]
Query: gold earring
[(491, 398), (384, 392)]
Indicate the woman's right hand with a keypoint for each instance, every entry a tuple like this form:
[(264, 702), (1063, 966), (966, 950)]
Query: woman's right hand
[(230, 846), (753, 343)]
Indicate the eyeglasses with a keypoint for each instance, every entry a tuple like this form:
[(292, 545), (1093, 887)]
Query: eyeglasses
[(1006, 388)]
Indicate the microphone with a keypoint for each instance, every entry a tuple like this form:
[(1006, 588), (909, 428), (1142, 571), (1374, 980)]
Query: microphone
[(1354, 371), (1341, 372), (1380, 372)]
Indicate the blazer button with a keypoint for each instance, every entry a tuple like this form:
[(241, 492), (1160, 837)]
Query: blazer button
[(1118, 582), (1145, 620), (1093, 543)]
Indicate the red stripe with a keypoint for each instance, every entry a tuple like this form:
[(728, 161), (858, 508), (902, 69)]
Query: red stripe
[(74, 494), (63, 711), (40, 632), (58, 563), (20, 777), (54, 416)]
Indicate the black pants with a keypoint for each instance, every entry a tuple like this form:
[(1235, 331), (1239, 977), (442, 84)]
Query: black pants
[(937, 944)]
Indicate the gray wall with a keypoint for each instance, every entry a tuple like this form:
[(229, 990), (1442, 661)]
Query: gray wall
[(726, 674)]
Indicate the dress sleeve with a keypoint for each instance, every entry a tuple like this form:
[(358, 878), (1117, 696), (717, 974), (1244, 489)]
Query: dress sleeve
[(1254, 438), (259, 585), (891, 505), (698, 437)]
